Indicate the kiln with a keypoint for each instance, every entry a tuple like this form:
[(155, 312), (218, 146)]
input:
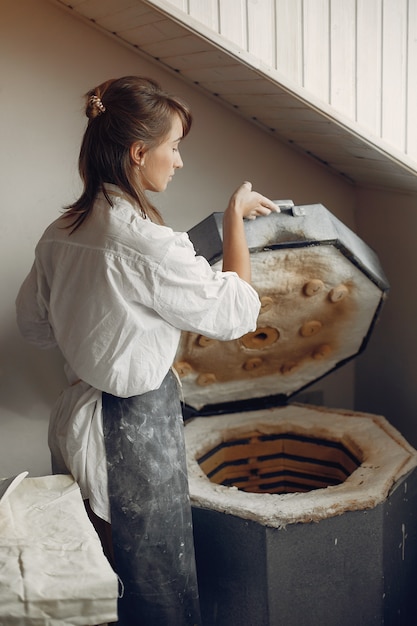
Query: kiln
[(303, 515)]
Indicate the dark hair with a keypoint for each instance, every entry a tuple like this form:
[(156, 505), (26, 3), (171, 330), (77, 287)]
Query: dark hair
[(121, 112)]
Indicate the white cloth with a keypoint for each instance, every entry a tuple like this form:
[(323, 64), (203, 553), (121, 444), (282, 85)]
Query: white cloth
[(115, 296), (53, 569)]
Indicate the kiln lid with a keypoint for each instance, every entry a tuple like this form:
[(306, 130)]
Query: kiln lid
[(321, 290)]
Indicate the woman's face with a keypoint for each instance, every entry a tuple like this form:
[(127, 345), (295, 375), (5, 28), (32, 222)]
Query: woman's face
[(157, 165)]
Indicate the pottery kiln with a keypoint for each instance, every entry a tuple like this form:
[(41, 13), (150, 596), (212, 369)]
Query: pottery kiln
[(303, 515)]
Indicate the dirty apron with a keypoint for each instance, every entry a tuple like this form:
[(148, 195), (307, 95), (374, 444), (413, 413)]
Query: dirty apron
[(150, 508)]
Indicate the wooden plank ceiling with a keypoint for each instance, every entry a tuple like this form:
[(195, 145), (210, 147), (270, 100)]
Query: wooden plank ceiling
[(230, 75)]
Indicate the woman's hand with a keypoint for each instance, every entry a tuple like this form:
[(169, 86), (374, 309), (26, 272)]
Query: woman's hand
[(250, 204), (244, 203)]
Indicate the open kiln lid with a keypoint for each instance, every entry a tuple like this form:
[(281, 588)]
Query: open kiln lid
[(321, 289)]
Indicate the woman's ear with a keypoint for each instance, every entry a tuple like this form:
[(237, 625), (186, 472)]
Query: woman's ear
[(136, 153)]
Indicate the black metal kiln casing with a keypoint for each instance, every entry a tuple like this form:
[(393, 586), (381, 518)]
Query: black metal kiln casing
[(352, 568)]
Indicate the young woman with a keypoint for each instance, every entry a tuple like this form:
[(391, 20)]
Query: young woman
[(113, 288)]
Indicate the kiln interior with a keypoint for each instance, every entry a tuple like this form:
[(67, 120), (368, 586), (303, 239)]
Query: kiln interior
[(282, 462), (316, 312)]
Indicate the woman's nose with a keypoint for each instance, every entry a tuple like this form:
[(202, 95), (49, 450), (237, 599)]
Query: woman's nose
[(178, 161)]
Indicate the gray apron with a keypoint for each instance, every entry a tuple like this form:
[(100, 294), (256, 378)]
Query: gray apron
[(150, 508)]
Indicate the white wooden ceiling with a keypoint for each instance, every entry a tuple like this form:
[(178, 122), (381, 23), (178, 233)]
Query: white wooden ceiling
[(201, 57)]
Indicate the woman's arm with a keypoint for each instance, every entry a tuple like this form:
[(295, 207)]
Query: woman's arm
[(244, 203)]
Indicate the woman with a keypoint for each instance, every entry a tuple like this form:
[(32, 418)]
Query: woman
[(113, 288)]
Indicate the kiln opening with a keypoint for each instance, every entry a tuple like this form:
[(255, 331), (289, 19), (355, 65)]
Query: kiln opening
[(284, 462)]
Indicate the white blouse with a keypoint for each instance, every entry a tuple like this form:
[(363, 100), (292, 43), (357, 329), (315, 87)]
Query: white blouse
[(114, 296)]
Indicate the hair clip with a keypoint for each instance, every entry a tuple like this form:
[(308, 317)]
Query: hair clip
[(95, 101)]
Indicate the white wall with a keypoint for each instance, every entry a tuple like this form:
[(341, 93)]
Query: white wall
[(358, 56), (48, 59)]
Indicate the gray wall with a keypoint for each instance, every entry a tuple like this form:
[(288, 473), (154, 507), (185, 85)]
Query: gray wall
[(386, 373)]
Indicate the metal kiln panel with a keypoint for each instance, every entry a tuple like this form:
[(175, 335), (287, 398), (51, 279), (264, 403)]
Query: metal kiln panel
[(321, 289)]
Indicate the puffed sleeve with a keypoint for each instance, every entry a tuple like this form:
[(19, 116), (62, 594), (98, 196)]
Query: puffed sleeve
[(32, 313), (192, 296)]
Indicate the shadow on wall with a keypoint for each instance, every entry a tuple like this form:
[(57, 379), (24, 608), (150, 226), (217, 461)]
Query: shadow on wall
[(29, 378)]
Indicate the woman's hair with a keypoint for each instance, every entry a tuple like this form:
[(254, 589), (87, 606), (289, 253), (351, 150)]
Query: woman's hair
[(121, 112)]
